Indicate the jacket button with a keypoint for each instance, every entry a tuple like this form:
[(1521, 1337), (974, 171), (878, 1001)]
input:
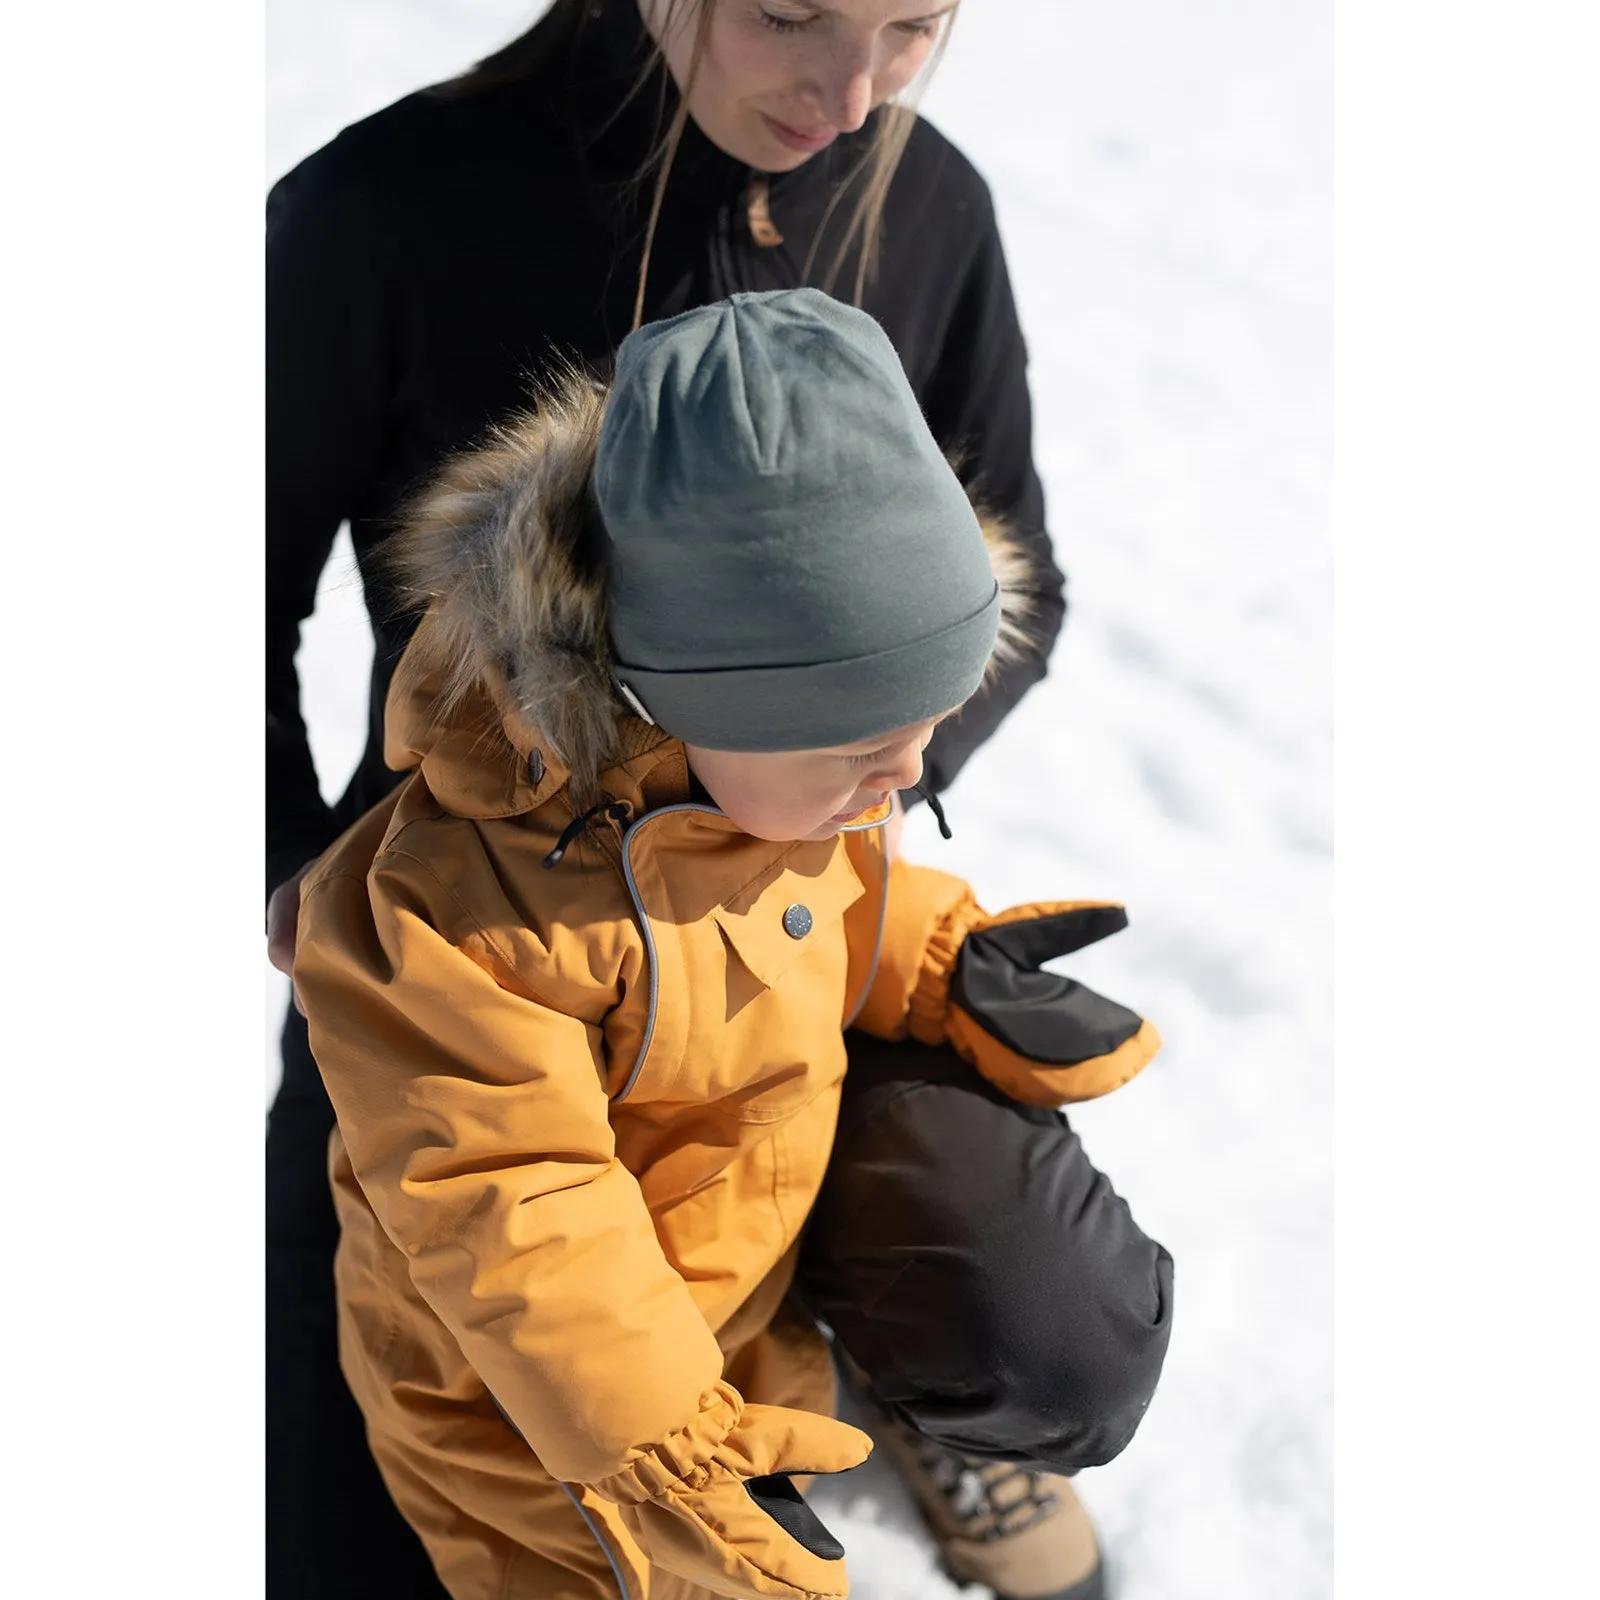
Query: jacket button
[(797, 922)]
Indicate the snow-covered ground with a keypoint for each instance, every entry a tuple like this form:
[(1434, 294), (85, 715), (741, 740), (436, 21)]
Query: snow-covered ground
[(1163, 176)]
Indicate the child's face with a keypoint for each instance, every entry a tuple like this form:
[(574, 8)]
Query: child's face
[(811, 794)]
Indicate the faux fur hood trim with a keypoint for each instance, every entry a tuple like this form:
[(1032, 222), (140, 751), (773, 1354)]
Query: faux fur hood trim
[(505, 554)]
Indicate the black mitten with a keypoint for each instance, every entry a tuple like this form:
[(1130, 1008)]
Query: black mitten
[(1043, 1038)]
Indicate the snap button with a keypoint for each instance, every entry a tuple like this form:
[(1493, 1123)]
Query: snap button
[(797, 922)]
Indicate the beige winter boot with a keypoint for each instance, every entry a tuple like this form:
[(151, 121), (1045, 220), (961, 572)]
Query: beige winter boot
[(1021, 1532)]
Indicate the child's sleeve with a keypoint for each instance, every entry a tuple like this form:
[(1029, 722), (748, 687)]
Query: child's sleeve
[(476, 1120), (946, 972)]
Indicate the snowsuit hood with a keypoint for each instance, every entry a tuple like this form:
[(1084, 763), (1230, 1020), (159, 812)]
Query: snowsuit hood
[(506, 559)]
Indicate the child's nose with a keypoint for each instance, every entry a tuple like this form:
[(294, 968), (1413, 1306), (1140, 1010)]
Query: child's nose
[(905, 772)]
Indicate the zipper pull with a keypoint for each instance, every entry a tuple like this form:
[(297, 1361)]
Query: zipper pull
[(757, 213)]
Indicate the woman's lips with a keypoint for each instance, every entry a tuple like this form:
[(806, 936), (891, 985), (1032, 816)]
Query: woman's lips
[(808, 142)]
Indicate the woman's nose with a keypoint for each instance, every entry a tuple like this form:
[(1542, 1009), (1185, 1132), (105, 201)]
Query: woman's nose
[(854, 102), (846, 90)]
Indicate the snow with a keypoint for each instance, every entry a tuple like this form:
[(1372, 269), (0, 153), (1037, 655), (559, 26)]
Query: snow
[(1163, 177)]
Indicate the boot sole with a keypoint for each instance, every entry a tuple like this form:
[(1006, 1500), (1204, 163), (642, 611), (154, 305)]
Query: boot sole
[(1091, 1588)]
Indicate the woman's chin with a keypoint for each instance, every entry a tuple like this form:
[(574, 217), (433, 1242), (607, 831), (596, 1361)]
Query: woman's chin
[(760, 148), (782, 159)]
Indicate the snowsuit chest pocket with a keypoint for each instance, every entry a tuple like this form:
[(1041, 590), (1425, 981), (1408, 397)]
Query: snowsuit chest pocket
[(783, 920)]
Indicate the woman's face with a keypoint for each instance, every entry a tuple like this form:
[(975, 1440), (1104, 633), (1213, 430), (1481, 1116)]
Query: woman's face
[(811, 794), (779, 80)]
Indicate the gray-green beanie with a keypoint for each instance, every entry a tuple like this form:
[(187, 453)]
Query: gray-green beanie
[(793, 563)]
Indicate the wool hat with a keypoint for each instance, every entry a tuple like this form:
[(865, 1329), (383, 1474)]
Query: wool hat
[(793, 563)]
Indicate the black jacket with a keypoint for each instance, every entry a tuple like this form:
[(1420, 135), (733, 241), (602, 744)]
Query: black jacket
[(430, 261)]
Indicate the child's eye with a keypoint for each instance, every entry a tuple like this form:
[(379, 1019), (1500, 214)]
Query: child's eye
[(867, 759), (919, 29)]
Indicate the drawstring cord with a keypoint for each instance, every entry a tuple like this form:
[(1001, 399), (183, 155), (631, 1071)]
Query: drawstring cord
[(934, 806), (616, 810), (620, 811)]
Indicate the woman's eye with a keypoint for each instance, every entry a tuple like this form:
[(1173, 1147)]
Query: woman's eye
[(919, 29)]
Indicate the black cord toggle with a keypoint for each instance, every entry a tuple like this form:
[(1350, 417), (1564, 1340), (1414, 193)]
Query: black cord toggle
[(616, 810), (934, 806)]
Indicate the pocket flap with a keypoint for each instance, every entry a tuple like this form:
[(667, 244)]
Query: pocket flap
[(776, 920)]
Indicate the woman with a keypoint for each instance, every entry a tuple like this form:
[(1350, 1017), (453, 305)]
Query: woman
[(621, 161)]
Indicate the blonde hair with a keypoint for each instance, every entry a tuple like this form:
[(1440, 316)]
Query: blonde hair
[(875, 169)]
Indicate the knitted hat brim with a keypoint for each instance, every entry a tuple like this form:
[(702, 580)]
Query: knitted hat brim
[(814, 706)]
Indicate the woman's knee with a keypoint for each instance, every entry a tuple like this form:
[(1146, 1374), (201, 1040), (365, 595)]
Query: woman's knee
[(1076, 1355), (981, 1270)]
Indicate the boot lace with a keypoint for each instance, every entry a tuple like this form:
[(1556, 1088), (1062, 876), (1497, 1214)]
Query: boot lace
[(989, 1499)]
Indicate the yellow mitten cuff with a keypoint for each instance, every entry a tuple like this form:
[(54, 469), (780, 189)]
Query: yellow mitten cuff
[(731, 1520)]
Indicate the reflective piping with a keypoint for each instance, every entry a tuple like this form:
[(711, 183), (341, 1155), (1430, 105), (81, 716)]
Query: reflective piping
[(633, 700), (649, 938), (600, 1539), (877, 944), (867, 827)]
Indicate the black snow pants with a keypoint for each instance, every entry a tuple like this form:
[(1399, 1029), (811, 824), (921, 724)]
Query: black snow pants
[(986, 1278)]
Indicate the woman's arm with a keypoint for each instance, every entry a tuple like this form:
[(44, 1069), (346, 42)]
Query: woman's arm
[(979, 409), (328, 392)]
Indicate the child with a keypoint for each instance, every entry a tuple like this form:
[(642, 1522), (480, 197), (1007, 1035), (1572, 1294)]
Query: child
[(578, 989)]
